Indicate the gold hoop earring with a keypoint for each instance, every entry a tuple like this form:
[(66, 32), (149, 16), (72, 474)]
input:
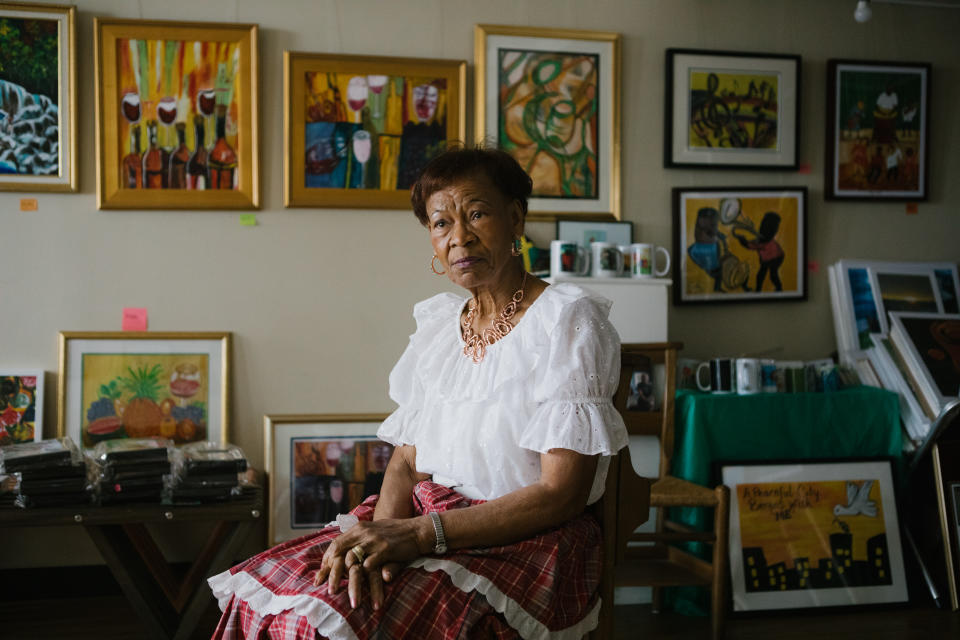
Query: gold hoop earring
[(515, 247), (434, 268)]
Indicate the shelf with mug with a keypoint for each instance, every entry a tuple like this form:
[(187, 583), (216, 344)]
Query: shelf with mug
[(588, 281)]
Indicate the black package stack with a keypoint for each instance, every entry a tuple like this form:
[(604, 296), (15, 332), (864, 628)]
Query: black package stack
[(131, 470), (207, 472), (48, 473)]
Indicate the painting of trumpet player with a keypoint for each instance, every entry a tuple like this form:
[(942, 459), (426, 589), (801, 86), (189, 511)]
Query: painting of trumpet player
[(740, 244)]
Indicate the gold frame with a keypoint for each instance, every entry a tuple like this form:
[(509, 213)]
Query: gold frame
[(270, 424), (67, 148), (612, 184), (226, 368), (295, 64), (109, 194)]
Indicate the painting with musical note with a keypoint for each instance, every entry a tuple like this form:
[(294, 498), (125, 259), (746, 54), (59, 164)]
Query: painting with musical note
[(732, 109), (813, 534), (360, 129), (740, 244)]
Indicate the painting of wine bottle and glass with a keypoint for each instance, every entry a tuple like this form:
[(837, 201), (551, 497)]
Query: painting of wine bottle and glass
[(176, 115)]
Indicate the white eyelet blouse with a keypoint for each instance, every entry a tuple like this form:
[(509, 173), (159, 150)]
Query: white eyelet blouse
[(548, 384)]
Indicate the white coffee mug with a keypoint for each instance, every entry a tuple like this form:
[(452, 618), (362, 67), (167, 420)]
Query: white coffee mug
[(606, 260), (642, 258), (627, 260), (568, 259), (748, 375)]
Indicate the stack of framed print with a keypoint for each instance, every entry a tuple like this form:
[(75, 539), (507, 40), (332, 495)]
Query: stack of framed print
[(878, 130), (929, 344), (551, 99), (38, 97), (319, 466), (946, 472), (814, 534)]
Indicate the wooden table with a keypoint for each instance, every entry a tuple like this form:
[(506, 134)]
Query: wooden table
[(169, 607)]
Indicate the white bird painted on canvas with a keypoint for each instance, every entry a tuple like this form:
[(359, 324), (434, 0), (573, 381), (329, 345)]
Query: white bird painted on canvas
[(858, 501)]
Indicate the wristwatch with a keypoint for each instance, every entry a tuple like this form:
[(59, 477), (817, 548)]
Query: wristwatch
[(441, 546)]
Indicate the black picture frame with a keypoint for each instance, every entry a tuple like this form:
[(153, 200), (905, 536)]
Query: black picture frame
[(854, 169), (720, 263), (735, 130)]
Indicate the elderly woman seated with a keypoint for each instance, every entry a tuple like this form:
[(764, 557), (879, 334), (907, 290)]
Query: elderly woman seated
[(503, 436)]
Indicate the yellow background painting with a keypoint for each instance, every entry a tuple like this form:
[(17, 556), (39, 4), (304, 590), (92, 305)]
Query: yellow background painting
[(806, 533), (101, 369), (733, 89), (752, 212)]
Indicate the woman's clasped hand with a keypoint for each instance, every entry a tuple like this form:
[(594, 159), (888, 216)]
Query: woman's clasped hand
[(370, 554)]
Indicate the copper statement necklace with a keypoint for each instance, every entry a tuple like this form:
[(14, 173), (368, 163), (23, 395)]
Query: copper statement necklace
[(476, 347)]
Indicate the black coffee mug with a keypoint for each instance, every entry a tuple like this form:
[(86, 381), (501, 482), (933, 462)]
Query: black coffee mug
[(722, 378)]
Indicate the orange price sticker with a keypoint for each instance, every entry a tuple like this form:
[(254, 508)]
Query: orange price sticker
[(28, 204), (913, 208), (804, 167)]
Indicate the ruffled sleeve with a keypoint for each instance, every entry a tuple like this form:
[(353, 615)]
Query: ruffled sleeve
[(575, 391), (406, 387)]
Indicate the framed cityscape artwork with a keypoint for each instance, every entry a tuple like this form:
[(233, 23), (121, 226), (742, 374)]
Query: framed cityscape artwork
[(740, 244), (38, 97), (551, 99), (318, 466), (814, 534), (878, 130), (176, 115), (731, 109), (140, 384), (359, 129)]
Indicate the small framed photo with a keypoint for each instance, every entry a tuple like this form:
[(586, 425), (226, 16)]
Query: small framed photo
[(359, 129), (318, 466), (814, 534), (551, 99), (878, 130), (130, 384), (21, 406), (38, 97), (746, 244), (731, 109), (176, 115), (584, 232)]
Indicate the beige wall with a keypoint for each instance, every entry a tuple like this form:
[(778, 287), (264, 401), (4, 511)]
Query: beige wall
[(319, 300)]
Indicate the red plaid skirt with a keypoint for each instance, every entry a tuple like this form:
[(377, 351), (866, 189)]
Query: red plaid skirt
[(544, 587)]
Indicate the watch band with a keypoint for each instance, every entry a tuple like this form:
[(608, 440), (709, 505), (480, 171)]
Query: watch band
[(441, 546)]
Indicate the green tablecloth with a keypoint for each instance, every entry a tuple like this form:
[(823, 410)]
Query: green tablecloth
[(861, 422)]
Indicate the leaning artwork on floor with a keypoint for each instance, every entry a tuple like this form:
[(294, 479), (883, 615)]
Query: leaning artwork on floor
[(813, 534)]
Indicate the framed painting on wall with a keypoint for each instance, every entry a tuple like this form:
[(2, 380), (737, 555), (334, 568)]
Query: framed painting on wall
[(318, 466), (731, 109), (176, 115), (358, 129), (21, 406), (740, 244), (38, 97), (813, 534), (878, 130), (131, 384), (551, 99)]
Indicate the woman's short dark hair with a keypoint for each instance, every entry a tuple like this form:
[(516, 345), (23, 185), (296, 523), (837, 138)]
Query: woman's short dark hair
[(458, 163)]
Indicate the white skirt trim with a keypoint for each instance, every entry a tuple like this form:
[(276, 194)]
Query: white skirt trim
[(325, 619), (526, 625), (329, 623)]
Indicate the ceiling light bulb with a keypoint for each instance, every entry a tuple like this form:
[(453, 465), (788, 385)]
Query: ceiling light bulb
[(863, 12)]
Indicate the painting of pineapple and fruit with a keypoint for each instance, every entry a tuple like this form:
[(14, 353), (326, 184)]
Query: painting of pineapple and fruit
[(143, 395)]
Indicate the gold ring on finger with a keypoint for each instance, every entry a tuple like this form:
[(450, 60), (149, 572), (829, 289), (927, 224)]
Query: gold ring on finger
[(358, 553)]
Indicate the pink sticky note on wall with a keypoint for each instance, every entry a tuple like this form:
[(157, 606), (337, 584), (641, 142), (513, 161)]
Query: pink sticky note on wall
[(134, 319)]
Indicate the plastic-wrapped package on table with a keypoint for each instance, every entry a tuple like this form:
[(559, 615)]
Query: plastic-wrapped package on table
[(206, 472), (44, 454), (48, 473), (130, 470)]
